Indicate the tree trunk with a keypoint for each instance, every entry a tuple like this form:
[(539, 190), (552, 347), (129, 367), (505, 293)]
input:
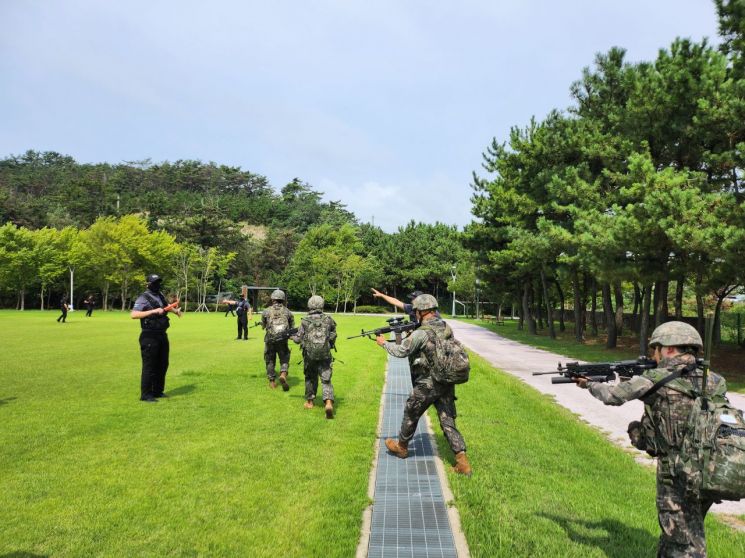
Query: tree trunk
[(610, 321), (664, 307), (41, 296), (578, 330), (562, 304), (538, 305), (549, 310), (594, 310), (527, 317), (679, 284), (618, 293), (637, 302), (644, 327)]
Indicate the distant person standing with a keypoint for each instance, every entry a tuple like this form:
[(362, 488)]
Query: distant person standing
[(89, 302), (244, 313), (277, 320), (151, 309), (63, 308)]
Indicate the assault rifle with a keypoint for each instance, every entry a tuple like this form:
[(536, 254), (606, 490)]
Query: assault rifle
[(397, 326), (600, 371)]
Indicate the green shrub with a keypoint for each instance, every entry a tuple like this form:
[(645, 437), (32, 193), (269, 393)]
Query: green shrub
[(371, 310)]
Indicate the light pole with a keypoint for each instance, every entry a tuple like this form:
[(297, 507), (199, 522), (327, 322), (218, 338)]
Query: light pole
[(452, 273), (478, 284)]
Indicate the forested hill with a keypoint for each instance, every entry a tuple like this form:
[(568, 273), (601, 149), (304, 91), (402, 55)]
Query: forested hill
[(203, 203)]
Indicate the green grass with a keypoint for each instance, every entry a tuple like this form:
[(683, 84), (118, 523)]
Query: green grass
[(224, 467), (545, 484), (727, 360)]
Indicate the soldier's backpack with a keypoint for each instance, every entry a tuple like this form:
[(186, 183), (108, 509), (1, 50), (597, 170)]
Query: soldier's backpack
[(316, 333), (711, 459), (451, 364), (278, 322)]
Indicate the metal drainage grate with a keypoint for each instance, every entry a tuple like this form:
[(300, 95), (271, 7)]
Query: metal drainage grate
[(409, 516)]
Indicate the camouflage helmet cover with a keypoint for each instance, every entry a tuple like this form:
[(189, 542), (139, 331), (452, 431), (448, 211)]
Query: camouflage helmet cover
[(278, 295), (676, 334), (424, 302), (315, 303)]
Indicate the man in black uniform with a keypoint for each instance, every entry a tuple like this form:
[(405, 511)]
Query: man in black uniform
[(244, 312), (63, 309), (150, 309), (90, 302)]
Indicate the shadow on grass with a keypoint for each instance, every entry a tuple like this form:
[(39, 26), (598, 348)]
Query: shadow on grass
[(615, 539), (5, 401), (181, 390)]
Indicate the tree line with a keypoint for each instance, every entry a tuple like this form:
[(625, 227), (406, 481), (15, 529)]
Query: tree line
[(633, 193)]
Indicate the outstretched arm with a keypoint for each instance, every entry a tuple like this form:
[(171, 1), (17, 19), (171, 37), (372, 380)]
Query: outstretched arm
[(389, 299)]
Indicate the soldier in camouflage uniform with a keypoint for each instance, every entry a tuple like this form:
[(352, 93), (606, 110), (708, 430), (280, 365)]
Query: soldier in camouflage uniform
[(667, 408), (420, 350), (275, 320), (317, 336)]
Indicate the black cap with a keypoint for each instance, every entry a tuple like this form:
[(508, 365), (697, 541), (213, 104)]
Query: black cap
[(412, 295), (153, 278)]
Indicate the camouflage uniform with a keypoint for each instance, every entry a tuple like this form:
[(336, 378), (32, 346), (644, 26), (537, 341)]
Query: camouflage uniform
[(315, 368), (680, 513), (272, 349), (419, 349)]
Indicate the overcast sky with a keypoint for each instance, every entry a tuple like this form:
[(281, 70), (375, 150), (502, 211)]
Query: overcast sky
[(385, 105)]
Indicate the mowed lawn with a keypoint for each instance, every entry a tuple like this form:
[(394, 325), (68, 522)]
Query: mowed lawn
[(546, 484), (226, 467), (223, 467)]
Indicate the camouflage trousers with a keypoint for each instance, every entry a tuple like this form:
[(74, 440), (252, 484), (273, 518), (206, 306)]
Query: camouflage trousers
[(313, 369), (681, 517), (442, 396), (271, 352)]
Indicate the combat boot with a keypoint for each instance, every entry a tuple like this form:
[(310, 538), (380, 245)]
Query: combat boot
[(272, 384), (308, 404), (462, 465), (329, 409), (283, 381), (399, 449)]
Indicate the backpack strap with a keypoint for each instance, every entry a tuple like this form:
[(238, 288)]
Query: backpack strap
[(667, 379), (154, 302)]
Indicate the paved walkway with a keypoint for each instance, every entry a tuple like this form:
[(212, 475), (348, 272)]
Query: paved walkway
[(409, 515), (522, 360)]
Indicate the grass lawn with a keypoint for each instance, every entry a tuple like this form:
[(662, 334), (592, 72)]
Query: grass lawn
[(727, 360), (224, 467), (545, 484)]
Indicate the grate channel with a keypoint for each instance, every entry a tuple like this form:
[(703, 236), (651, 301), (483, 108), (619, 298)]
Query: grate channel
[(409, 517)]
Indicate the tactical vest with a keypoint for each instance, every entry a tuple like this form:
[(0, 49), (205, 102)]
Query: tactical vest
[(155, 322)]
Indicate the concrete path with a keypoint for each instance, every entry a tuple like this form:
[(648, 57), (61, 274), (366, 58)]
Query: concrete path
[(522, 360)]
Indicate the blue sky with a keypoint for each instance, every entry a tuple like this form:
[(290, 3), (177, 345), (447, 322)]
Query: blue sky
[(386, 105)]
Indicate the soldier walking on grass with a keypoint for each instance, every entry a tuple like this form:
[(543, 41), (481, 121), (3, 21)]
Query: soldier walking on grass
[(669, 392), (150, 309), (276, 321), (420, 349), (317, 336)]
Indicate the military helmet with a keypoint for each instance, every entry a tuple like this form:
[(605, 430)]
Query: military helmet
[(676, 334), (278, 295), (424, 302), (153, 278), (315, 303)]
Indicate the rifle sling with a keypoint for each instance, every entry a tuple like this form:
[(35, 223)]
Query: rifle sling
[(666, 380)]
